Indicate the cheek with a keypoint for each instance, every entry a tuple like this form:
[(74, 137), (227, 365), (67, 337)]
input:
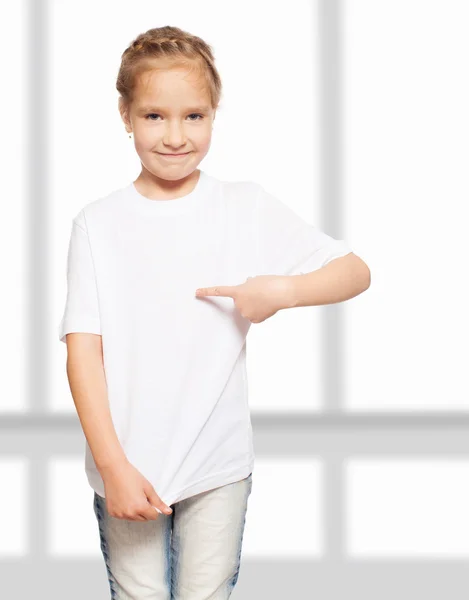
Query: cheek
[(143, 141), (203, 140)]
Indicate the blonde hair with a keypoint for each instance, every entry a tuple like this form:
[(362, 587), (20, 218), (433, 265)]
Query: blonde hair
[(164, 48)]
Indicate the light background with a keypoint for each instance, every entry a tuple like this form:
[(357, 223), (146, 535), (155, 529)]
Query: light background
[(355, 114)]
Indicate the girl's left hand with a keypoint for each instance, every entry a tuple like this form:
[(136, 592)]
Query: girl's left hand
[(257, 299)]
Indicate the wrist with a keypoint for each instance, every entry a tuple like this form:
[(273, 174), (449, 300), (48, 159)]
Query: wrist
[(112, 465), (289, 291)]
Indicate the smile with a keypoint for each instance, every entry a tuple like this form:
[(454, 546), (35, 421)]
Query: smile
[(173, 155)]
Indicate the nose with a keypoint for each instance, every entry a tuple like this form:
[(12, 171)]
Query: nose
[(174, 136)]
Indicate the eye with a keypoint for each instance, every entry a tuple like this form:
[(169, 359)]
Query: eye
[(157, 115)]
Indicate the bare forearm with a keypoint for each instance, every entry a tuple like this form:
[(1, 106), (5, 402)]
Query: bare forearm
[(341, 279), (87, 381)]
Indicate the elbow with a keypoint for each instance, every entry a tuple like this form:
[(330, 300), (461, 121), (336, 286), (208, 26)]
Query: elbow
[(362, 273), (367, 278)]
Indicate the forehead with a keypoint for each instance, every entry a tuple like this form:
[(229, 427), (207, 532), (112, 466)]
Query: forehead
[(167, 88)]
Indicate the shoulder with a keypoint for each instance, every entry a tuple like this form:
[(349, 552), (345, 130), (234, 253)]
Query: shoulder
[(98, 209), (237, 188), (242, 193)]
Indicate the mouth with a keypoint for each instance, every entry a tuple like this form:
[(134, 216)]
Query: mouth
[(173, 155)]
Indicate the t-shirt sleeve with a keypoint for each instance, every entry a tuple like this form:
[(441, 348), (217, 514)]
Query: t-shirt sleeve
[(81, 313), (288, 245)]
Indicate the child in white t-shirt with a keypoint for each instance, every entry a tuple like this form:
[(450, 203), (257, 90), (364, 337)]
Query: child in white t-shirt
[(158, 371)]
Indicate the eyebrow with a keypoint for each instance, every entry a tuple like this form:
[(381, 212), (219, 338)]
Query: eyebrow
[(145, 109)]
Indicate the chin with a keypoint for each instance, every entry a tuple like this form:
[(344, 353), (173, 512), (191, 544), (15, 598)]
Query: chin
[(174, 172)]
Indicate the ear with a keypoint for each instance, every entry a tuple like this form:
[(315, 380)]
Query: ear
[(124, 113)]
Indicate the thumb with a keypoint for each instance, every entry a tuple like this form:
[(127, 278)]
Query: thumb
[(156, 501)]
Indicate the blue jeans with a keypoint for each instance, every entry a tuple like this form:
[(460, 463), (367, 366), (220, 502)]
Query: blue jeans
[(192, 554)]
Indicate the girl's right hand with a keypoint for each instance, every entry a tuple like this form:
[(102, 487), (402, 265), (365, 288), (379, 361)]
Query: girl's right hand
[(129, 495)]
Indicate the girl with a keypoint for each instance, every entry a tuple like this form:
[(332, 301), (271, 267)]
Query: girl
[(158, 372)]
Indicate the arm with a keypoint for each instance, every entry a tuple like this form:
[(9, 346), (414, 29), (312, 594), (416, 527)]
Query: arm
[(341, 279), (87, 381)]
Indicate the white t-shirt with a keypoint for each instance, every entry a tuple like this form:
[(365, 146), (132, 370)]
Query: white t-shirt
[(175, 364)]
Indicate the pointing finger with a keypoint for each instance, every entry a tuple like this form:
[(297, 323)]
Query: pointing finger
[(220, 290)]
